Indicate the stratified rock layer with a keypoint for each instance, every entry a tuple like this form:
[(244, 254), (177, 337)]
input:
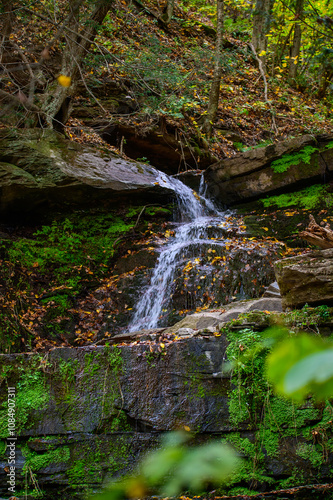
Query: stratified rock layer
[(249, 175), (85, 415), (306, 279), (40, 168)]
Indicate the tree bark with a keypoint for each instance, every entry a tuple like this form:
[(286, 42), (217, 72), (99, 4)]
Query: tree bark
[(326, 81), (168, 11), (261, 25), (57, 104), (214, 93), (8, 16), (296, 45)]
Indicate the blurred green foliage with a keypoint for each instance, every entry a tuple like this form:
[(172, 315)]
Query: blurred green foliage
[(176, 468)]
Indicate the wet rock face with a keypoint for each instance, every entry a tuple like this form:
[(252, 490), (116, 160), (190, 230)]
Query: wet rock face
[(42, 168), (239, 269), (177, 387), (306, 279), (88, 414), (85, 415), (249, 175)]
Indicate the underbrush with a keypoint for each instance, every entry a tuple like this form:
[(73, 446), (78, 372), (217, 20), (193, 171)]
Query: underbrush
[(265, 423), (46, 270)]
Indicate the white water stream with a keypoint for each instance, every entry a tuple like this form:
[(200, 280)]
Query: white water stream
[(197, 214)]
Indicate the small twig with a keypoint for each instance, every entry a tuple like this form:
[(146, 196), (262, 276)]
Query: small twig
[(88, 89), (143, 209), (262, 72), (141, 212), (121, 147)]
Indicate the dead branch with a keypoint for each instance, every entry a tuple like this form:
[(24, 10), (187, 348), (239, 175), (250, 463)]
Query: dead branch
[(322, 236), (262, 72)]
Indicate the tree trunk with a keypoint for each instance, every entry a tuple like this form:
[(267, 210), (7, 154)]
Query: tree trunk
[(57, 103), (296, 46), (326, 81), (168, 11), (214, 93), (261, 25), (7, 8)]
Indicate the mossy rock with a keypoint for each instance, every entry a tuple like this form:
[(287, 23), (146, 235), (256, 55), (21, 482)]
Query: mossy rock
[(41, 167)]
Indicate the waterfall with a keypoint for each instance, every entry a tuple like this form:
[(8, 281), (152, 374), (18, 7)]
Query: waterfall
[(192, 235)]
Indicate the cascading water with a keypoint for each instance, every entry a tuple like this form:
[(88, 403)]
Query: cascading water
[(191, 236)]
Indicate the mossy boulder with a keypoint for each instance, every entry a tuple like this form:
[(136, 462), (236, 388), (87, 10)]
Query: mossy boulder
[(257, 172), (43, 168), (217, 318)]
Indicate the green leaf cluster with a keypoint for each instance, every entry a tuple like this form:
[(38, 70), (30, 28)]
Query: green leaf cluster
[(302, 365), (176, 468)]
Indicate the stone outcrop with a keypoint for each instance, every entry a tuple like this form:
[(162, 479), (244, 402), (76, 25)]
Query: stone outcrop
[(306, 279), (85, 415), (249, 175), (272, 290), (214, 320), (40, 168), (160, 144)]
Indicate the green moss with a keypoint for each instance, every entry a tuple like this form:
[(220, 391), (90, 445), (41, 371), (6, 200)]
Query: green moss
[(309, 198), (308, 316), (247, 353), (90, 463), (66, 370), (259, 319), (243, 445), (245, 492), (3, 447), (303, 156), (32, 395), (296, 478), (271, 421), (36, 461), (70, 241), (309, 451)]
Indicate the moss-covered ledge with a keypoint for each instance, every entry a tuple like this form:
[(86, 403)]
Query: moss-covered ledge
[(85, 415)]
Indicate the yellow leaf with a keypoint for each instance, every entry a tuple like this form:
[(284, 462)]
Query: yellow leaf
[(186, 428), (262, 53), (64, 81)]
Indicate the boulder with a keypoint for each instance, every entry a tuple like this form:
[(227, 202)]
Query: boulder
[(306, 279), (41, 167), (249, 175), (216, 318)]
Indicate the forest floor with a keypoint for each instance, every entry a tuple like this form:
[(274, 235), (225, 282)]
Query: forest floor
[(166, 72)]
